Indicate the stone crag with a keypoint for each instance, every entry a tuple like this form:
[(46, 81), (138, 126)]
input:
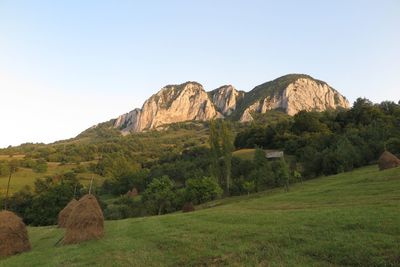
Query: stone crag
[(189, 101)]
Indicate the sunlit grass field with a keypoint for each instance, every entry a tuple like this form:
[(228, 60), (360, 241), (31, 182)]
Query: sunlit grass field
[(26, 177), (351, 219), (246, 153)]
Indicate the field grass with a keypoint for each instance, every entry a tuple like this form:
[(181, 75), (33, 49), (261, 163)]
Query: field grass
[(351, 219), (248, 154), (26, 177), (245, 153), (8, 158)]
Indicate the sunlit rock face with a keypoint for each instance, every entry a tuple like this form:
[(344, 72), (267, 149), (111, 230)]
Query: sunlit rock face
[(189, 101), (128, 121), (302, 94), (173, 103), (225, 98)]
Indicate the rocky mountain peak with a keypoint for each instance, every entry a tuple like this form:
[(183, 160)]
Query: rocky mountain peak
[(292, 93), (173, 103), (189, 101), (225, 98)]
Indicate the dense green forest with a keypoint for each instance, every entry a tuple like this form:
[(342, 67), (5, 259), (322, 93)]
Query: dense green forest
[(192, 162)]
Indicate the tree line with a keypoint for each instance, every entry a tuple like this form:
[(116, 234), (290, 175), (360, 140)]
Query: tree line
[(198, 170)]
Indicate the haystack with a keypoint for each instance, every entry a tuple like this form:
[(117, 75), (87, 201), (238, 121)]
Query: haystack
[(65, 212), (387, 161), (85, 222), (188, 207), (132, 193), (13, 234)]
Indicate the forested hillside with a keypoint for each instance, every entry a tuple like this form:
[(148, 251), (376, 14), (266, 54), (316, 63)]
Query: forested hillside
[(193, 162)]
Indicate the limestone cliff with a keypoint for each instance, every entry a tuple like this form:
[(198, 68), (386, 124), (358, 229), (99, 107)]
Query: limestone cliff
[(225, 98), (291, 94), (173, 103), (189, 101), (128, 122)]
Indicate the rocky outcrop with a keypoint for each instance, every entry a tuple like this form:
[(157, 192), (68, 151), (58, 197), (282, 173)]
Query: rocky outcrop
[(302, 94), (128, 122), (173, 103), (306, 94), (189, 101), (261, 106), (225, 98)]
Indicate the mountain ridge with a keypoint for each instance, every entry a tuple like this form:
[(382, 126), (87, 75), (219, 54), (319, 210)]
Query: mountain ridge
[(190, 101)]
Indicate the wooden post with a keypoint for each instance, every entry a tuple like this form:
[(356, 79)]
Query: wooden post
[(90, 188), (8, 189), (75, 191)]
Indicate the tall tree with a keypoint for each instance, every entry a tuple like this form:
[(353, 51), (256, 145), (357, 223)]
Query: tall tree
[(227, 149), (221, 144), (215, 150), (159, 194)]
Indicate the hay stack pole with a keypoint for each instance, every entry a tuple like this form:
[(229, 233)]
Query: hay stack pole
[(12, 170), (90, 188), (86, 221), (8, 189), (13, 234)]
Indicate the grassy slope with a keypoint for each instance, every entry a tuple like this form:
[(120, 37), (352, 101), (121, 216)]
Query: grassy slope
[(347, 219), (246, 153), (151, 146), (26, 176)]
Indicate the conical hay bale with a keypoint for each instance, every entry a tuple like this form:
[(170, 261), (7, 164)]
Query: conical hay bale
[(387, 160), (85, 222), (13, 234), (134, 192), (65, 212), (188, 207)]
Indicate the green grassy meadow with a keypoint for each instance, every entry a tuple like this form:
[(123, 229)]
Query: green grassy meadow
[(8, 158), (246, 153), (350, 219), (26, 176)]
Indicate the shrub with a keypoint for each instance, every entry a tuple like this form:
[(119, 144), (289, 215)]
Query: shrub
[(249, 186), (159, 195), (201, 190), (124, 207), (40, 166)]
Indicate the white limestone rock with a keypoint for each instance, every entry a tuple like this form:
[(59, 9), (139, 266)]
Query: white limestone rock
[(173, 103), (303, 94), (225, 98)]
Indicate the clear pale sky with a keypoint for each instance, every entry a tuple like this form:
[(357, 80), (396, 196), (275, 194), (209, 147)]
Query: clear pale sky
[(67, 65)]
